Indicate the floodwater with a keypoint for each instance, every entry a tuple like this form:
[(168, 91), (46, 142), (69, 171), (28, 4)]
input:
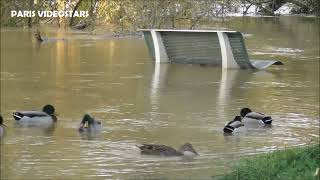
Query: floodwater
[(140, 102)]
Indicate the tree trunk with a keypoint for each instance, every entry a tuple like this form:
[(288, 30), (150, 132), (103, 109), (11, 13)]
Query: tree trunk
[(30, 9), (61, 6), (154, 16), (92, 6), (173, 21), (74, 10), (247, 8)]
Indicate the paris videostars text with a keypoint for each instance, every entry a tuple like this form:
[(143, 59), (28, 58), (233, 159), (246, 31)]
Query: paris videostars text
[(49, 14)]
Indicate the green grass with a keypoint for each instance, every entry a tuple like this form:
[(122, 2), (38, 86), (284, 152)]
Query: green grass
[(295, 163)]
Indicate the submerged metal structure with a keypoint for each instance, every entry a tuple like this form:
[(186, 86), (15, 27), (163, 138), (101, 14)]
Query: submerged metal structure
[(209, 47)]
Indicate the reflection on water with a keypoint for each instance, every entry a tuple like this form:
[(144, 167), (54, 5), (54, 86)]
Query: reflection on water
[(139, 102)]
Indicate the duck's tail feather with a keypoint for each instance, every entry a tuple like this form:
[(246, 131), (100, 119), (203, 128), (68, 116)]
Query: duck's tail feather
[(17, 115), (139, 146), (267, 120), (228, 129)]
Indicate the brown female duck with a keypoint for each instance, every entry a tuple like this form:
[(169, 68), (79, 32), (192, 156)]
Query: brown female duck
[(163, 150)]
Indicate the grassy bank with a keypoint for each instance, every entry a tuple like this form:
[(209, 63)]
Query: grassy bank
[(296, 163)]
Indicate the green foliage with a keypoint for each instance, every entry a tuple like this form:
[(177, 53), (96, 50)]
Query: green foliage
[(120, 15), (295, 163), (28, 5)]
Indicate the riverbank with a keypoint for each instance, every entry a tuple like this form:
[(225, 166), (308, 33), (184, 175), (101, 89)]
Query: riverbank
[(143, 14), (293, 163)]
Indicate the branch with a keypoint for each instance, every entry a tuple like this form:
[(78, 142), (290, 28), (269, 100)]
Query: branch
[(74, 10)]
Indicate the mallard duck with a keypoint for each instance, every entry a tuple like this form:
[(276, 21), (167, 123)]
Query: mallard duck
[(2, 131), (163, 150), (47, 115), (88, 123), (232, 125), (250, 117)]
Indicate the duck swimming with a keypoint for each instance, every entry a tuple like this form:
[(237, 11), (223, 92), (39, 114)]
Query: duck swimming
[(163, 150), (47, 115), (2, 131), (232, 125), (88, 123), (250, 117)]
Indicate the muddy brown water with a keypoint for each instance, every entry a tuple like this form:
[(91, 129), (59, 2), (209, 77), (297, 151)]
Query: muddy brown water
[(116, 81)]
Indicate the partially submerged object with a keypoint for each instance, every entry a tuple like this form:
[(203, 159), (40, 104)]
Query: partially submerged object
[(163, 150), (37, 36), (207, 47), (81, 25)]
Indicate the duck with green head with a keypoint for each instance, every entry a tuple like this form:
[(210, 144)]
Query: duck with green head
[(249, 117), (46, 116), (231, 126), (89, 123)]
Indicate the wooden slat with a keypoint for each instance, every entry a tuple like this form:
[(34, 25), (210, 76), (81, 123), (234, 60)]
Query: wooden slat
[(192, 48)]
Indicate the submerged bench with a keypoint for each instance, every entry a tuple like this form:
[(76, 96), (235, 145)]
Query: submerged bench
[(208, 47)]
